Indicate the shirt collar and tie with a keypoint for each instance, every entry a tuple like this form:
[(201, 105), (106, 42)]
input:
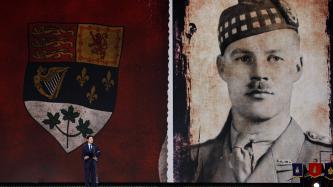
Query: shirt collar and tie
[(247, 149), (242, 157)]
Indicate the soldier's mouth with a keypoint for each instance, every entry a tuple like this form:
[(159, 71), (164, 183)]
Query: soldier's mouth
[(259, 94)]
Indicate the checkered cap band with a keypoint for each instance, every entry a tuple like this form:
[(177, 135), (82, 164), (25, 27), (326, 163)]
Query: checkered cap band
[(248, 19)]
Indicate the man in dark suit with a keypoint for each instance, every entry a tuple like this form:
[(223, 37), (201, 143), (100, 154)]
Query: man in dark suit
[(90, 154)]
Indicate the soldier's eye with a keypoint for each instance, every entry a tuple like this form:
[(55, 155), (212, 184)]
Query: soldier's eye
[(274, 59), (247, 59)]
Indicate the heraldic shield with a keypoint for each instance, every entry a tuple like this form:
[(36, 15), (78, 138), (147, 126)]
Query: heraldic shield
[(71, 78)]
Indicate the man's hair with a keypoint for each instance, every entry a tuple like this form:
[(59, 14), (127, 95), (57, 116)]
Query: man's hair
[(88, 136)]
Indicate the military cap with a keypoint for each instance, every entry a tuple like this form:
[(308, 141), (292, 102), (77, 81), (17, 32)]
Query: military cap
[(252, 17)]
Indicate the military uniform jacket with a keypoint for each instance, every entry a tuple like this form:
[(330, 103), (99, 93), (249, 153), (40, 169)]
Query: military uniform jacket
[(213, 164)]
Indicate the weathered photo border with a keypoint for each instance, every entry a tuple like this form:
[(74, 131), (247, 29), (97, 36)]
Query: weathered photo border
[(182, 86)]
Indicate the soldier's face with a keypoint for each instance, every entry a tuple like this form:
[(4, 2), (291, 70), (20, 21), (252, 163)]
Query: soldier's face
[(260, 71)]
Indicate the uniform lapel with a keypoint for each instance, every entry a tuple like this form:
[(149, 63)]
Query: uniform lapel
[(287, 149), (215, 163), (265, 170), (224, 171), (275, 165)]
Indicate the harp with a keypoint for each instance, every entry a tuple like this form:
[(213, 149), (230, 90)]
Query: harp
[(48, 82)]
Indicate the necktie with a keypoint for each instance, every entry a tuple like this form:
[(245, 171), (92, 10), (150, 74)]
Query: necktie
[(242, 157), (89, 147)]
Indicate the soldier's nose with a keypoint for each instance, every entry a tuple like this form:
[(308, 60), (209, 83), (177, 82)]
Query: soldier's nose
[(259, 78), (259, 72)]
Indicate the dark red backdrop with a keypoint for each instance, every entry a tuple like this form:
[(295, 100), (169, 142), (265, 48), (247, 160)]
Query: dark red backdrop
[(132, 139)]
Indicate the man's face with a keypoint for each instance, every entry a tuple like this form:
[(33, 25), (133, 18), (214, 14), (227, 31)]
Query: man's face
[(90, 140), (260, 71)]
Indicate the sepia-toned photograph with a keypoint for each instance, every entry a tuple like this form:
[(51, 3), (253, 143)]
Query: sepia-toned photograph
[(251, 89)]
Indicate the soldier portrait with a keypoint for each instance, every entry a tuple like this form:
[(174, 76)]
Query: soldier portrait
[(251, 89)]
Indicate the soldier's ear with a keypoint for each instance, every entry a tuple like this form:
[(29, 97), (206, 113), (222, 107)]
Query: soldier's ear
[(220, 64), (299, 69)]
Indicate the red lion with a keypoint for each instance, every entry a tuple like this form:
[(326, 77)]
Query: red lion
[(99, 44)]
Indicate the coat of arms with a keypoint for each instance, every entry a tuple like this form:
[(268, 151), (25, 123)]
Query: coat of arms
[(71, 78)]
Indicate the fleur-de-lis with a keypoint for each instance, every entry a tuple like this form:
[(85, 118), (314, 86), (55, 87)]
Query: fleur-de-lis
[(83, 77), (92, 96), (107, 81)]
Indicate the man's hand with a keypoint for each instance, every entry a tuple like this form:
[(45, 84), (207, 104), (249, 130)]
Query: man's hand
[(95, 158), (86, 157)]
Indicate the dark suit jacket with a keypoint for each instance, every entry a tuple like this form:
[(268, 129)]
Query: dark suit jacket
[(94, 151), (212, 158)]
